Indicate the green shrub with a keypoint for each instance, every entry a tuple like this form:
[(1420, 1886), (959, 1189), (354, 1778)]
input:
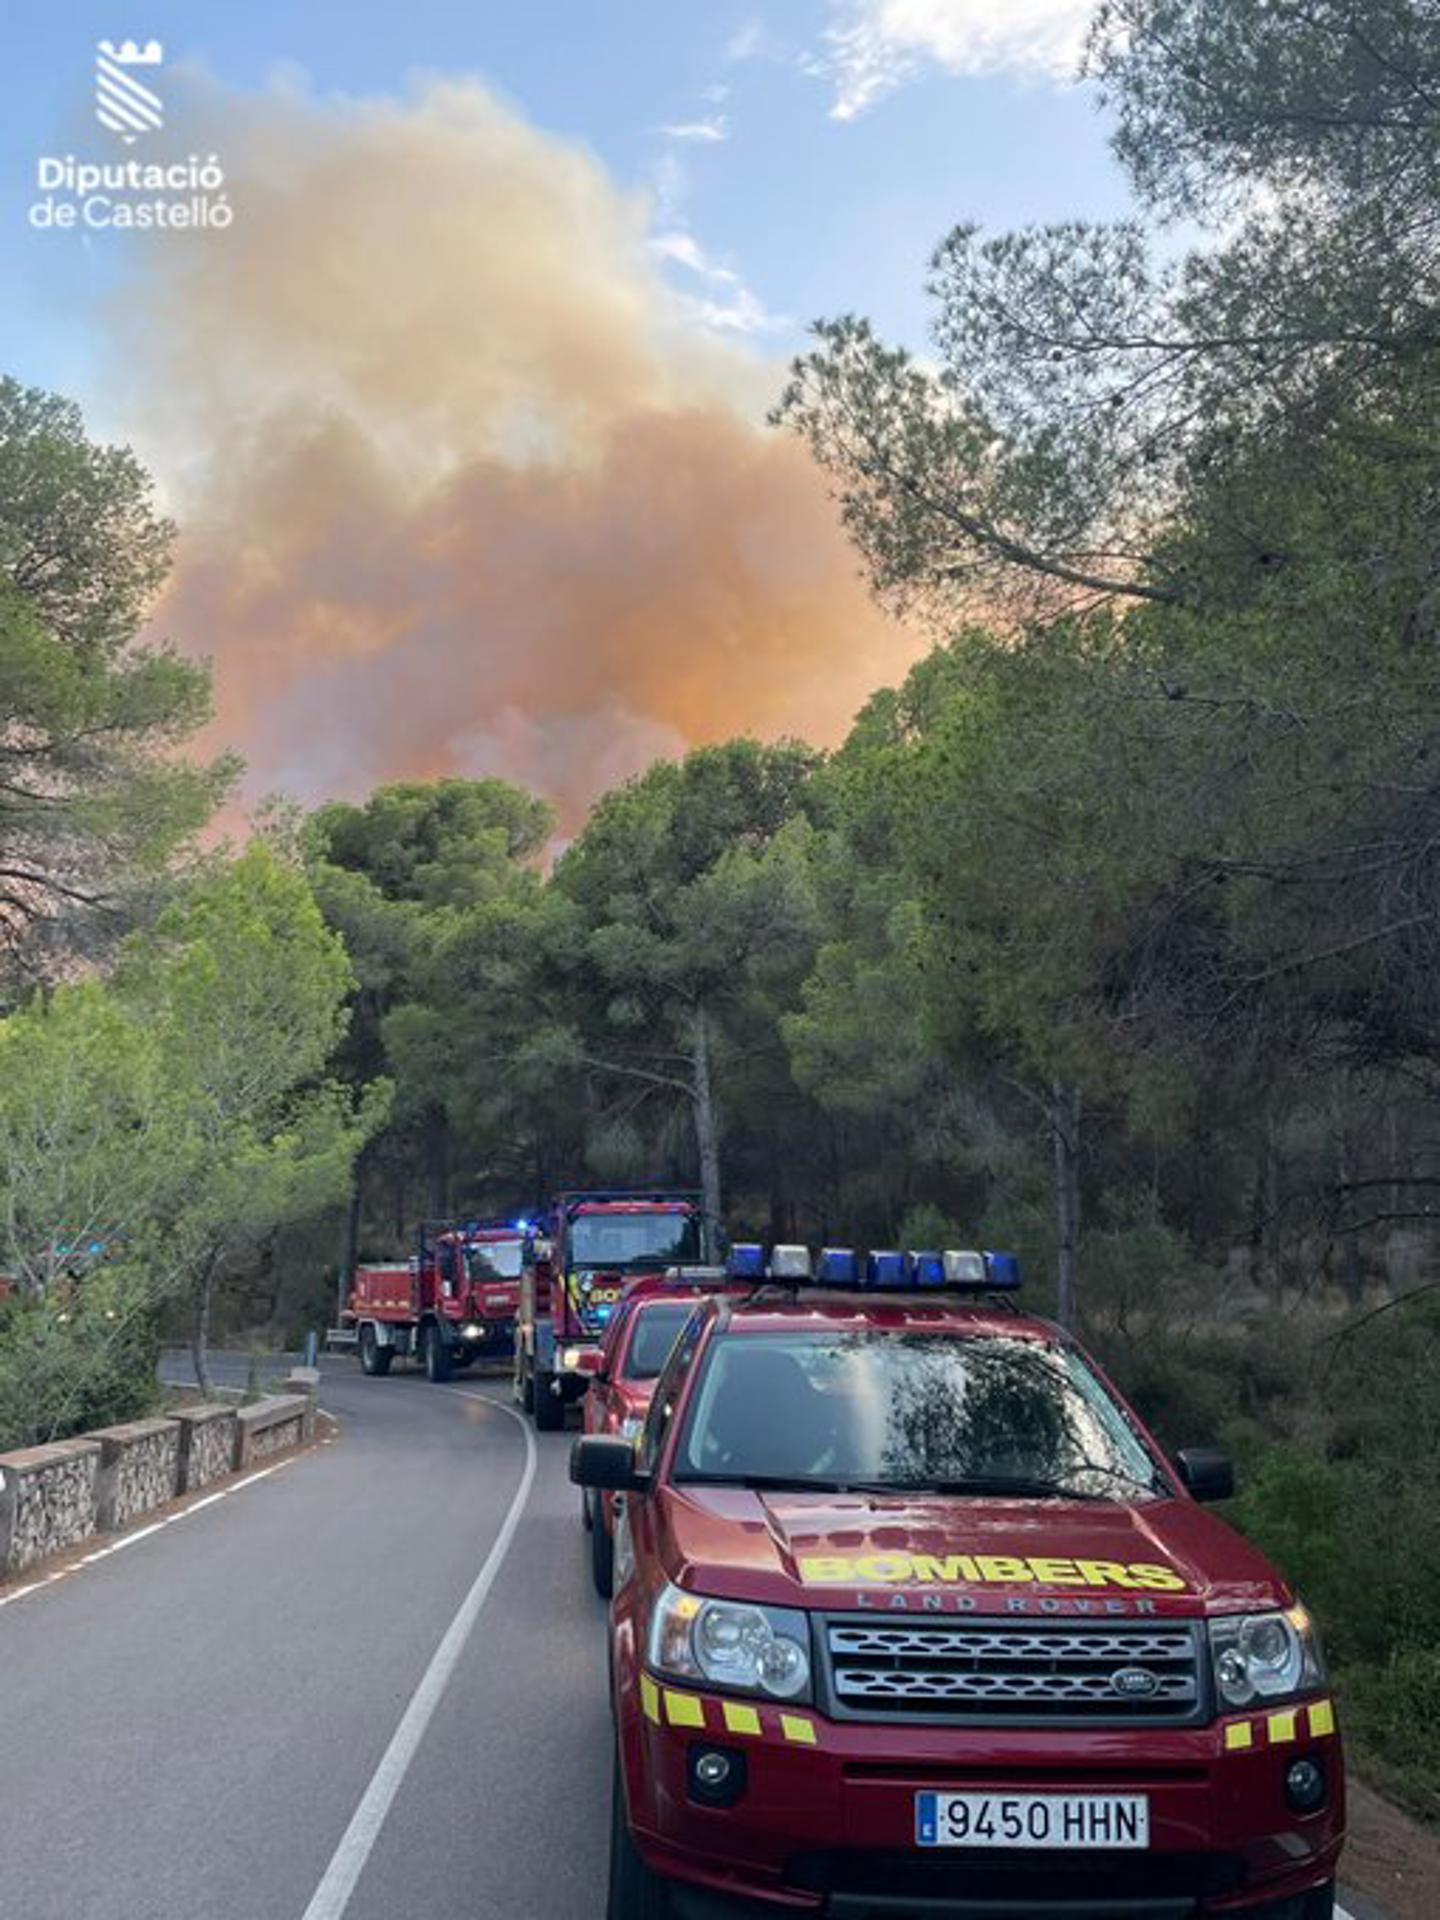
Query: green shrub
[(65, 1368)]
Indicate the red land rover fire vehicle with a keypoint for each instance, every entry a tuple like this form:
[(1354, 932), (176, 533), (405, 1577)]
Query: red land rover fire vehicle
[(571, 1288), (913, 1617), (633, 1352), (456, 1300)]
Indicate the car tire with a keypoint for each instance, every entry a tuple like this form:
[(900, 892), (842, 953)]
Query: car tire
[(374, 1359), (437, 1356), (1320, 1905), (636, 1892), (549, 1407), (602, 1556), (527, 1390)]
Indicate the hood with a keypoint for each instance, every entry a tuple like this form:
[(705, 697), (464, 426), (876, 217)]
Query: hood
[(942, 1553)]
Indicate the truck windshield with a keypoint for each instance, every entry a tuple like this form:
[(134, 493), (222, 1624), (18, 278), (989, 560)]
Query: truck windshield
[(656, 1330), (633, 1241), (898, 1412), (494, 1260)]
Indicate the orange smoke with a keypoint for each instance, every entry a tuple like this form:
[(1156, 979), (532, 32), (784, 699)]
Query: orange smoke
[(462, 489)]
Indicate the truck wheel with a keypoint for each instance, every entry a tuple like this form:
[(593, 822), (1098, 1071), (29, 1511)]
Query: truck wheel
[(602, 1555), (1320, 1905), (437, 1355), (549, 1407), (636, 1893), (374, 1359)]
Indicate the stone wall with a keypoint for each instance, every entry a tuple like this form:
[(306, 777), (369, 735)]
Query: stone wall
[(207, 1443), (47, 1500), (52, 1498), (270, 1426), (139, 1471)]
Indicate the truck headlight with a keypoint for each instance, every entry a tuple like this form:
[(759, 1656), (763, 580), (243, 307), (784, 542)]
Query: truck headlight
[(731, 1643), (1265, 1656), (570, 1359)]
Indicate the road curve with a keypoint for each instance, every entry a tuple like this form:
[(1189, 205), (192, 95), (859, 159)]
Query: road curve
[(190, 1726)]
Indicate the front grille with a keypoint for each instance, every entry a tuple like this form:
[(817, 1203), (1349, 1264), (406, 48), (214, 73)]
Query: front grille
[(1028, 1671)]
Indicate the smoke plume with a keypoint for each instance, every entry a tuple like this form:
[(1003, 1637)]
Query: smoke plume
[(462, 488)]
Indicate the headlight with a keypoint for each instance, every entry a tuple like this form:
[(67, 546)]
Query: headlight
[(470, 1331), (1265, 1656), (731, 1643), (631, 1427), (570, 1359)]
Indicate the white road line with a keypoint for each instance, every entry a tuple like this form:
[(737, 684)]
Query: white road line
[(332, 1896), (144, 1533)]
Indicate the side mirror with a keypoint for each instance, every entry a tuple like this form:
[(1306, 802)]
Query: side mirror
[(607, 1463), (1207, 1473)]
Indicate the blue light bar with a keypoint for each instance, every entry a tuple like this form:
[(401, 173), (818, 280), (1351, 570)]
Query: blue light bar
[(886, 1269), (745, 1261), (839, 1267), (1003, 1271), (927, 1269)]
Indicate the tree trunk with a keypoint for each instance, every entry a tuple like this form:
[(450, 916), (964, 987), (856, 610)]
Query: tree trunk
[(437, 1155), (707, 1139), (200, 1336), (1065, 1138)]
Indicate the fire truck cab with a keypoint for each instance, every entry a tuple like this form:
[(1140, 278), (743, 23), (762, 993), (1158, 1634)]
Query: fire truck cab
[(571, 1288), (913, 1617)]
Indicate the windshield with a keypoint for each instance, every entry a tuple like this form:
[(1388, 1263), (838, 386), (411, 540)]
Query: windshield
[(618, 1241), (656, 1331), (897, 1412), (494, 1260)]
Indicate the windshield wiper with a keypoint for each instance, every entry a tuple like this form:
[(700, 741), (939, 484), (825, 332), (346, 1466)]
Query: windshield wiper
[(761, 1482), (977, 1485)]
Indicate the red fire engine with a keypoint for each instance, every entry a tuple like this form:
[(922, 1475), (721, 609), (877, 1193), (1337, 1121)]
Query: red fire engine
[(456, 1300), (594, 1242)]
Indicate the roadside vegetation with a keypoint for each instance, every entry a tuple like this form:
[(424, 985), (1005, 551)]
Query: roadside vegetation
[(1111, 934)]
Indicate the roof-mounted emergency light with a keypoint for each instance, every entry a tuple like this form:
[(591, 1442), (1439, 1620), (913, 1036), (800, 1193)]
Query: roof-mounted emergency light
[(745, 1261), (964, 1269), (927, 1269), (887, 1268), (839, 1267), (790, 1263)]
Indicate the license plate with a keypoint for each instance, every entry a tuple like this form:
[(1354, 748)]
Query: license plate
[(1061, 1820)]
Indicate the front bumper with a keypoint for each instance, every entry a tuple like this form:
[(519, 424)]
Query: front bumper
[(826, 1823)]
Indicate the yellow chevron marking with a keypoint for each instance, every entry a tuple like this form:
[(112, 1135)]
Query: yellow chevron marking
[(650, 1698), (1282, 1728), (684, 1709), (1239, 1735), (740, 1719), (802, 1732), (1322, 1718)]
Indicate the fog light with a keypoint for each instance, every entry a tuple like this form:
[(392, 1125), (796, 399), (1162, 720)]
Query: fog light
[(717, 1775), (1305, 1785)]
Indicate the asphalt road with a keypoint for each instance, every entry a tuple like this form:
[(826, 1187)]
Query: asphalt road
[(368, 1687), (188, 1727)]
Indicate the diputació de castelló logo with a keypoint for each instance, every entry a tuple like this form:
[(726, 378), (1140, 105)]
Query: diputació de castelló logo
[(77, 193)]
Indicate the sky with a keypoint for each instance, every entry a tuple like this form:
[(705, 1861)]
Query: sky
[(461, 414)]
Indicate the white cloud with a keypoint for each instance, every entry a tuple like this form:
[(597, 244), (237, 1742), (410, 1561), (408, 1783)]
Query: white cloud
[(727, 305), (707, 131), (877, 45), (745, 43)]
